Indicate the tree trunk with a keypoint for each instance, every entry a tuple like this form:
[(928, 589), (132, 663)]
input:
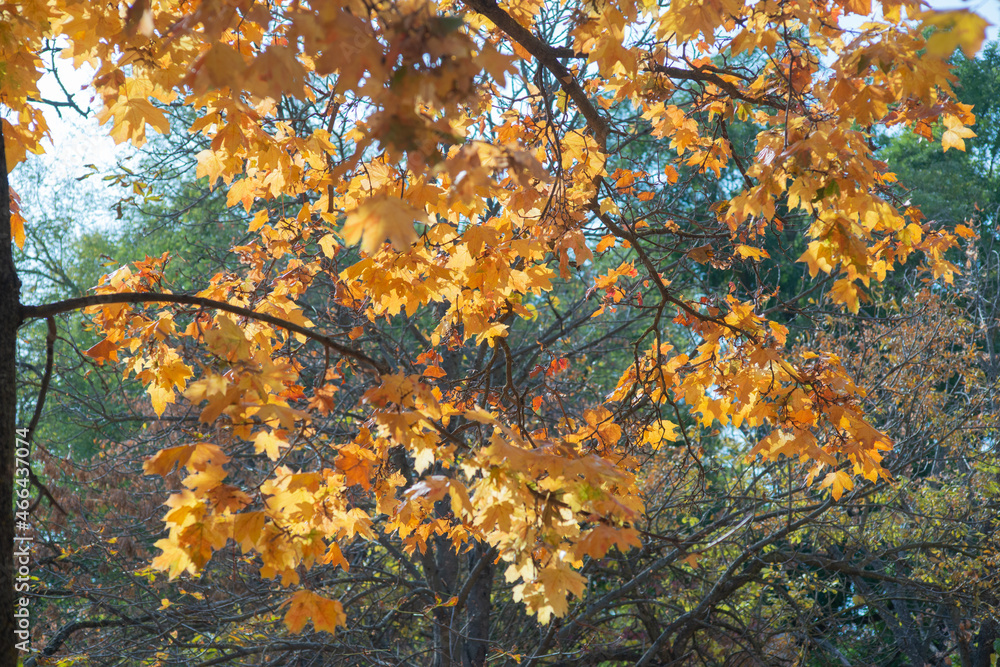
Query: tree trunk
[(989, 632), (477, 607), (441, 571), (10, 320)]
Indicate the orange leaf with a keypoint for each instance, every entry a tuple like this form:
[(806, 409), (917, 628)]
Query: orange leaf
[(701, 254), (17, 228), (434, 372), (164, 460), (749, 252), (965, 232), (105, 350), (334, 556), (326, 615), (357, 465)]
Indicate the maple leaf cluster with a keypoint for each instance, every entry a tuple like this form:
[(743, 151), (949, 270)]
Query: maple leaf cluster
[(449, 173)]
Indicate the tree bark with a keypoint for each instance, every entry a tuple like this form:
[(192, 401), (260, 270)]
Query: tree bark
[(441, 570), (10, 320), (478, 606), (988, 633)]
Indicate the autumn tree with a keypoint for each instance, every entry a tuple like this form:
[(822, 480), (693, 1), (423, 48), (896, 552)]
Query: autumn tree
[(513, 275)]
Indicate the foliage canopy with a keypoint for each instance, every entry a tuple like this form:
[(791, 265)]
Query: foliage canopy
[(526, 288)]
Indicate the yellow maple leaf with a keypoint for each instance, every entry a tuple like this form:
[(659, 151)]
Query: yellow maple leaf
[(248, 528), (159, 397), (172, 558), (958, 28), (205, 454), (658, 431), (210, 164), (228, 338), (328, 614), (204, 480), (557, 583), (599, 541), (818, 257), (380, 218), (750, 252), (334, 556), (164, 460), (270, 443), (965, 232), (328, 244), (226, 498), (838, 481), (845, 291), (955, 135)]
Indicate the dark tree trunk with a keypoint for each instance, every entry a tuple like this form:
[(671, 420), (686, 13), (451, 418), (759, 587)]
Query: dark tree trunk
[(441, 571), (988, 633), (10, 320), (477, 607)]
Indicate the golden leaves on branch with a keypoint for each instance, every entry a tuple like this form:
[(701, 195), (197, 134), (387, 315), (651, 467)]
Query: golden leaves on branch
[(407, 143)]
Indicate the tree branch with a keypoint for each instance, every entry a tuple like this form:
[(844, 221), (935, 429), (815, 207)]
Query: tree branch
[(70, 628), (50, 341), (713, 78), (549, 58), (59, 307)]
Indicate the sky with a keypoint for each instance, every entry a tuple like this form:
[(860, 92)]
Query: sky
[(47, 183)]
